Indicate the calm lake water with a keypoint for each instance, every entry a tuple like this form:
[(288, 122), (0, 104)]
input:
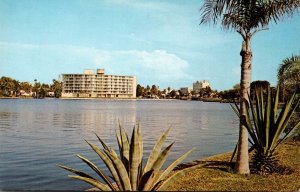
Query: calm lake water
[(35, 135)]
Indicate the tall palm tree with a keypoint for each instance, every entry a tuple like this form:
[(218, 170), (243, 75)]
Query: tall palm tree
[(56, 87), (288, 74), (247, 17)]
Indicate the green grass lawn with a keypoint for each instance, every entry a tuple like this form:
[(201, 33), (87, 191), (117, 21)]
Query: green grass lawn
[(215, 174)]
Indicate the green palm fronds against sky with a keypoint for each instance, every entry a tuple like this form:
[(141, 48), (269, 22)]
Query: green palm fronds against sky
[(289, 69), (288, 76)]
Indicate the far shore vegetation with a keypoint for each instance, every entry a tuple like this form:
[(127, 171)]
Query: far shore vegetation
[(287, 77), (11, 88)]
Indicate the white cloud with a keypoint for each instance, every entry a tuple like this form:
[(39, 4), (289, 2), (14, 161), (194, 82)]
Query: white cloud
[(155, 59), (158, 64), (5, 45), (150, 67)]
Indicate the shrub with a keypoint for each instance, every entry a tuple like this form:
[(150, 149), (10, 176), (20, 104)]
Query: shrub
[(127, 171), (267, 128)]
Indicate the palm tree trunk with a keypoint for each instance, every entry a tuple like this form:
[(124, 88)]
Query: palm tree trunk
[(242, 162)]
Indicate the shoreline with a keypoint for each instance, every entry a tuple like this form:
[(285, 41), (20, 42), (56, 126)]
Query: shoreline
[(206, 100), (214, 173)]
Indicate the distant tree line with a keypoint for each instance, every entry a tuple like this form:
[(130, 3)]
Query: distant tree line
[(147, 91), (10, 87), (233, 94), (288, 77)]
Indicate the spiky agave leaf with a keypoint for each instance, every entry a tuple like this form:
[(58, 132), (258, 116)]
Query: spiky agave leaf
[(144, 178), (155, 151), (134, 176), (255, 119), (102, 142), (134, 159), (267, 128), (159, 178), (285, 118), (93, 182), (140, 169), (139, 132), (268, 118), (120, 144), (121, 169), (97, 170), (245, 119), (86, 178), (108, 164), (170, 168), (236, 109), (162, 157), (80, 173), (124, 151), (288, 133)]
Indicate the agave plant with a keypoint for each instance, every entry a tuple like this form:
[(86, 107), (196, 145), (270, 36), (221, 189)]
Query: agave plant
[(266, 125), (127, 171)]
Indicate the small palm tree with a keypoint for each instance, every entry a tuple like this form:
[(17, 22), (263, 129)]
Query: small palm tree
[(127, 171), (288, 74), (267, 127), (247, 17)]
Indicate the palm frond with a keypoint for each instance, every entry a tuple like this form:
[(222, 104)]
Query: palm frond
[(213, 10), (247, 15)]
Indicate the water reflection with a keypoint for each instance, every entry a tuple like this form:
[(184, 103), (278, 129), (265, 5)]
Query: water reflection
[(8, 119), (37, 134)]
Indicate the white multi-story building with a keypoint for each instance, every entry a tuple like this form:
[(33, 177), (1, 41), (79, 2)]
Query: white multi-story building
[(198, 85), (99, 85), (185, 90)]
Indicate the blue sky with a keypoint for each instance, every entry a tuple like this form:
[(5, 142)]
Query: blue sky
[(160, 42)]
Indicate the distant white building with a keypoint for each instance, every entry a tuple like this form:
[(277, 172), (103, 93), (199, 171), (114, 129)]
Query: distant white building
[(185, 90), (50, 94), (200, 85), (24, 93)]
